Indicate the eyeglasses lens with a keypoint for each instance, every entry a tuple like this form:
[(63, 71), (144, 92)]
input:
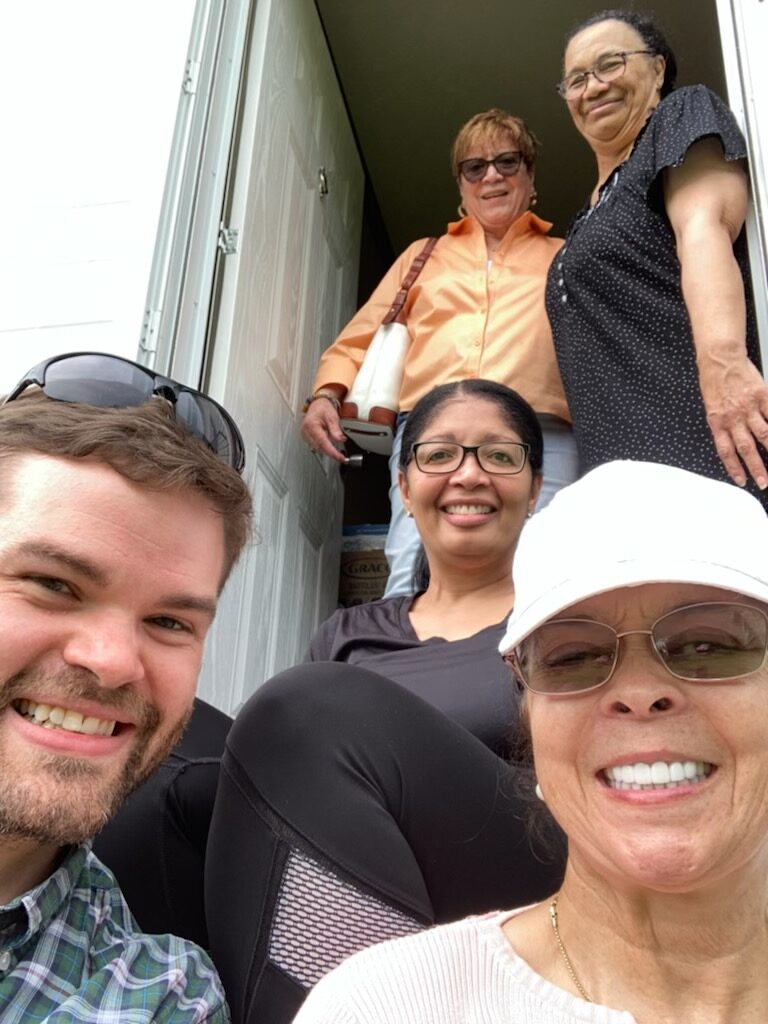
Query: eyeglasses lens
[(610, 67), (96, 380), (567, 656), (205, 420), (700, 642), (715, 641), (507, 164)]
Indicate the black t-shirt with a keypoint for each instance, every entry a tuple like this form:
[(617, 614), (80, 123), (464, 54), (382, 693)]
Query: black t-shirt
[(155, 844), (621, 329), (465, 679)]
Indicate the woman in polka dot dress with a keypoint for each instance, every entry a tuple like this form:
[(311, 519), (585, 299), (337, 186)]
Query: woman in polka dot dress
[(649, 298)]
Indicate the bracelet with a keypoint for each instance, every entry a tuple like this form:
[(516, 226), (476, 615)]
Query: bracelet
[(322, 394)]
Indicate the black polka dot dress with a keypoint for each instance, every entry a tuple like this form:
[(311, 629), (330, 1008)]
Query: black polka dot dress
[(614, 299)]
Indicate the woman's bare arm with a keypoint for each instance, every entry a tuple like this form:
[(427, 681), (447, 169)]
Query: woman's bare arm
[(706, 201)]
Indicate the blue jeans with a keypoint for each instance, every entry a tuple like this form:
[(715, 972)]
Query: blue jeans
[(561, 467)]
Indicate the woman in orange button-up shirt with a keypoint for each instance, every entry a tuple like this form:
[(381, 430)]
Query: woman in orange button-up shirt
[(476, 310)]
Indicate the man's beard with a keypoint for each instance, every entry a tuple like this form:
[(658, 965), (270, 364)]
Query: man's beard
[(31, 806)]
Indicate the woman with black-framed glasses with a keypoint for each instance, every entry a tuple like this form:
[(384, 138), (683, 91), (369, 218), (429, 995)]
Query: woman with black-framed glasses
[(476, 309), (469, 477), (650, 298), (639, 641)]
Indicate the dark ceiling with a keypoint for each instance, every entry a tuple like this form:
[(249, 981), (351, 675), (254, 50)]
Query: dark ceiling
[(412, 71)]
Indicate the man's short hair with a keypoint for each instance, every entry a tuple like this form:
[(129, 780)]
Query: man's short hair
[(144, 444)]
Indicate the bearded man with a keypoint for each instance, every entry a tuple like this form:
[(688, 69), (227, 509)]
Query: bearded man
[(122, 511)]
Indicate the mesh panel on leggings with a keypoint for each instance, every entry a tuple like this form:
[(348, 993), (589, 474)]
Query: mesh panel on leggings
[(320, 920)]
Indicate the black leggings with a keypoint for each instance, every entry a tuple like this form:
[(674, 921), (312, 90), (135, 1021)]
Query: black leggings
[(350, 811)]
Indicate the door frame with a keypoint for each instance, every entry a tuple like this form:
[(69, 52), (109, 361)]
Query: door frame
[(175, 325), (746, 75)]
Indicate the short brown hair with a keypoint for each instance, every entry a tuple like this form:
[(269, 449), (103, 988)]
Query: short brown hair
[(487, 124), (144, 444)]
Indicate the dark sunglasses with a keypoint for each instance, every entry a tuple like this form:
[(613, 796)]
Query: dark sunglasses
[(711, 642), (475, 169), (111, 382)]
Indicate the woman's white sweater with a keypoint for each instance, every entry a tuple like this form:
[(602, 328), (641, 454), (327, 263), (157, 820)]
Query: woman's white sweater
[(462, 973)]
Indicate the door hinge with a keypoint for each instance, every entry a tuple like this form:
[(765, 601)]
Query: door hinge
[(150, 328), (191, 76), (228, 240)]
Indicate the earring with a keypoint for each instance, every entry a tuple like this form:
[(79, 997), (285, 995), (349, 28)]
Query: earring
[(409, 513), (538, 792), (534, 198), (529, 514), (461, 211)]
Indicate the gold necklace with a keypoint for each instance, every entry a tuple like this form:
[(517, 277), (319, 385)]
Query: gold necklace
[(566, 959)]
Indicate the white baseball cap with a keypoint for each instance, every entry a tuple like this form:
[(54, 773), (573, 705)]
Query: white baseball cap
[(628, 523)]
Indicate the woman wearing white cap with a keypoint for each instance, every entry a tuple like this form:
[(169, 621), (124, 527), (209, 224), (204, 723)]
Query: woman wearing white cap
[(639, 633)]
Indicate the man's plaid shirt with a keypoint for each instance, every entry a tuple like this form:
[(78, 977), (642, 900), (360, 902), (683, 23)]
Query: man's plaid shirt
[(70, 952)]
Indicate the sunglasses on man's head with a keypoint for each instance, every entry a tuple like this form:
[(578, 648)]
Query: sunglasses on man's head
[(711, 642), (94, 378), (475, 168)]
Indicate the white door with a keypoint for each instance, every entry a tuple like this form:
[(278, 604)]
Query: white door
[(297, 208)]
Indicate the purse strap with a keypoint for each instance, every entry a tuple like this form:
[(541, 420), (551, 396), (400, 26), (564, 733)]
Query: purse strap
[(395, 311)]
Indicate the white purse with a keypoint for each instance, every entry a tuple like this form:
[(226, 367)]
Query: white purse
[(369, 409)]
